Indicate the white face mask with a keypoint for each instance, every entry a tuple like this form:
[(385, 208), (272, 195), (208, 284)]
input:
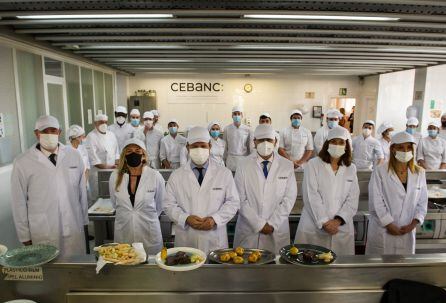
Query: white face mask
[(404, 157), (120, 120), (366, 132), (148, 123), (102, 128), (49, 141), (336, 151), (265, 148), (199, 155)]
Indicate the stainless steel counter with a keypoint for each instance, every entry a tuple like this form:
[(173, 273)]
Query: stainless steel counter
[(349, 279)]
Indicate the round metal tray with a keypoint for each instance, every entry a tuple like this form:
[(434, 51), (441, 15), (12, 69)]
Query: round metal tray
[(266, 258), (286, 256)]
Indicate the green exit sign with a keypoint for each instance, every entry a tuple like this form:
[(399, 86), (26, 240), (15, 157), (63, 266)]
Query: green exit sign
[(343, 92)]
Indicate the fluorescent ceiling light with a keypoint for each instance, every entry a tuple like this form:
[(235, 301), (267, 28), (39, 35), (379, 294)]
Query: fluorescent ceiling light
[(163, 68), (322, 17), (147, 60), (302, 47), (96, 16), (134, 46), (264, 61), (253, 69)]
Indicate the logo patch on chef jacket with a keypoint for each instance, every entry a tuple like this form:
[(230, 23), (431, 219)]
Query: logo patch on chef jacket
[(151, 191), (349, 180), (73, 167), (217, 188), (283, 178)]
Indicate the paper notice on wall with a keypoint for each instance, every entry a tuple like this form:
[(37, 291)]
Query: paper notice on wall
[(23, 274), (89, 116), (2, 126)]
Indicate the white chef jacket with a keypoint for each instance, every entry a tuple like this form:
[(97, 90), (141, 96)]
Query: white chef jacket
[(432, 151), (159, 127), (152, 140), (217, 150), (239, 144), (170, 149), (385, 146), (122, 133), (366, 151), (296, 141)]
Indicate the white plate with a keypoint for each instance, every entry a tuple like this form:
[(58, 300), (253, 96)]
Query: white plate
[(182, 267), (3, 249)]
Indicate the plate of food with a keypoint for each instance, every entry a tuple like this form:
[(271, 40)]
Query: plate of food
[(241, 256), (180, 258), (121, 254), (3, 249), (102, 207), (307, 254), (29, 256)]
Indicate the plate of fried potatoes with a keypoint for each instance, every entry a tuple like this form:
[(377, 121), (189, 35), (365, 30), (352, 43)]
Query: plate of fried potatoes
[(121, 254), (241, 256)]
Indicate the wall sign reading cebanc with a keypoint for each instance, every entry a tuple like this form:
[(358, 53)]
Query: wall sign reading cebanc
[(195, 91)]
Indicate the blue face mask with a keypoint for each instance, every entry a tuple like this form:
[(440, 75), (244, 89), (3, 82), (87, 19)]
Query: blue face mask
[(332, 124), (173, 130), (215, 133), (296, 122), (237, 119), (410, 130), (134, 122), (432, 133)]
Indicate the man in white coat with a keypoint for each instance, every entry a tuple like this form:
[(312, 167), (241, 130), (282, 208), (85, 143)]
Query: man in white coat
[(238, 138), (122, 130), (201, 197), (156, 124), (49, 199), (267, 187), (103, 151), (367, 151), (320, 137), (135, 121), (171, 146), (411, 128), (152, 138)]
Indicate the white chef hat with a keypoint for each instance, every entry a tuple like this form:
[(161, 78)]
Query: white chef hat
[(135, 141), (100, 117), (412, 121), (46, 121), (212, 124), (334, 113), (135, 111), (121, 109), (266, 115), (264, 131), (435, 123), (296, 111), (337, 132), (198, 134), (237, 108), (371, 122), (148, 115), (172, 120), (402, 137), (384, 126), (155, 112), (75, 131)]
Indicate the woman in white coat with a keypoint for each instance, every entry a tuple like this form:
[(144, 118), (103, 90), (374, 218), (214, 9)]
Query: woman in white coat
[(137, 191), (330, 196), (218, 145), (431, 153), (386, 132), (397, 200)]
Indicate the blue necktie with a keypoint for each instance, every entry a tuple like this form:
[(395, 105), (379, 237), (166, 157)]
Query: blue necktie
[(265, 168)]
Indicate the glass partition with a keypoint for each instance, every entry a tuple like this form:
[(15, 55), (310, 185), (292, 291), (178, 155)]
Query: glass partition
[(87, 98), (108, 89), (73, 94)]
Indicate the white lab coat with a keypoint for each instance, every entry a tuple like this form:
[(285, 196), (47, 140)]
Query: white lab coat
[(385, 146), (152, 140), (102, 149), (139, 223), (159, 128), (265, 200), (432, 151), (296, 141), (390, 203), (239, 144), (216, 197), (366, 152), (170, 149), (321, 136), (122, 133), (442, 134), (325, 196), (49, 203), (217, 151)]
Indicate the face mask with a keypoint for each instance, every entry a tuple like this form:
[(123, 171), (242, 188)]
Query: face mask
[(332, 124), (237, 119), (410, 131), (215, 133), (173, 130), (133, 159), (265, 148), (148, 123), (404, 157), (49, 141), (296, 122), (443, 123), (199, 155), (120, 120), (366, 132), (135, 122), (432, 133), (336, 151), (102, 128)]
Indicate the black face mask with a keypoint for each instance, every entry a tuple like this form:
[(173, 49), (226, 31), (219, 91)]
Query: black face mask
[(133, 159)]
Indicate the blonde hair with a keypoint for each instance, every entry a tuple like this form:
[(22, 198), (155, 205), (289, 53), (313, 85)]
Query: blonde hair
[(413, 167), (123, 168)]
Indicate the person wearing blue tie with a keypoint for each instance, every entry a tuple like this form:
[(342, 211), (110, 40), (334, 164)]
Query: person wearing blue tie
[(268, 190)]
